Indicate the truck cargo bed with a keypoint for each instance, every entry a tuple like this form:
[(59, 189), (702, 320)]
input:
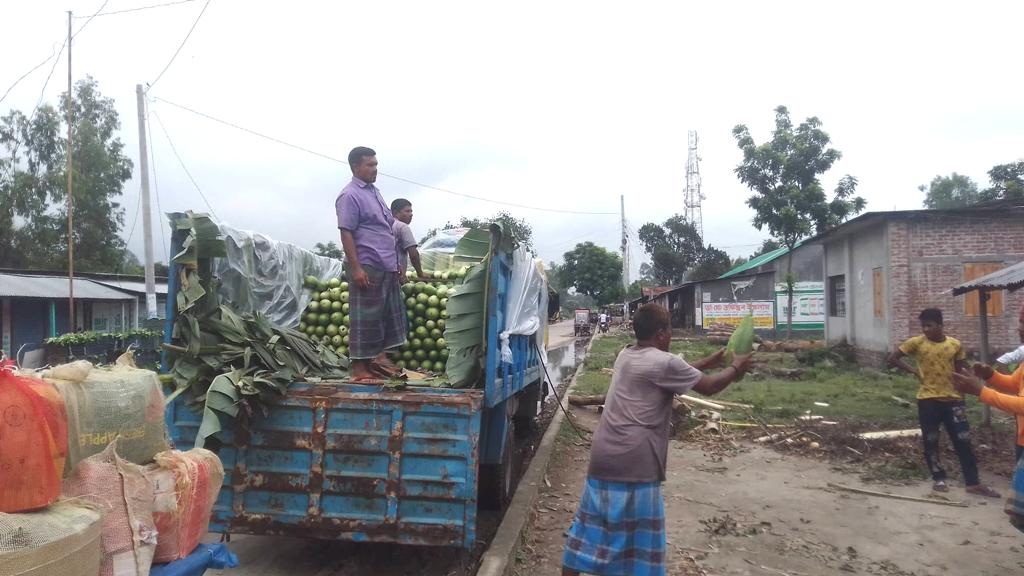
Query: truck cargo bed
[(351, 462)]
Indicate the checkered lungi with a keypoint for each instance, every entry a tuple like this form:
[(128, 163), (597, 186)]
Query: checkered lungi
[(1015, 502), (377, 319), (619, 530)]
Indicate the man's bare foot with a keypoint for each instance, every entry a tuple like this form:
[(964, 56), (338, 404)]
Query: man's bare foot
[(360, 370)]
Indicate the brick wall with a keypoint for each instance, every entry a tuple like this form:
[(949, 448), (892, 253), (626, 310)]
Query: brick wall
[(927, 258)]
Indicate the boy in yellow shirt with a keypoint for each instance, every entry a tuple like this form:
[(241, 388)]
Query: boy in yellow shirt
[(938, 357)]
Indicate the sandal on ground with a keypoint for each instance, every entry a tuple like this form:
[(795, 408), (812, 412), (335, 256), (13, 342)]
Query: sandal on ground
[(982, 490), (940, 486)]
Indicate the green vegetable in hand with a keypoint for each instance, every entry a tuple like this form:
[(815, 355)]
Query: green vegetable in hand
[(741, 341)]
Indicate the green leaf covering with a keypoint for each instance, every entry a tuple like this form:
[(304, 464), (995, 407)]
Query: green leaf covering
[(226, 360), (741, 341), (464, 330)]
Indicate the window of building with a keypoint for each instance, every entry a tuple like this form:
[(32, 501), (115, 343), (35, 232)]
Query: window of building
[(972, 302), (837, 296)]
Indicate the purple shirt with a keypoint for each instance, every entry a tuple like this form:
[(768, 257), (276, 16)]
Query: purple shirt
[(361, 211)]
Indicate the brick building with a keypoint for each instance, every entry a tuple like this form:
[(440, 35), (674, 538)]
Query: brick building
[(882, 268)]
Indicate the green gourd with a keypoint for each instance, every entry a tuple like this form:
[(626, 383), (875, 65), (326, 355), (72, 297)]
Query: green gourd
[(741, 342)]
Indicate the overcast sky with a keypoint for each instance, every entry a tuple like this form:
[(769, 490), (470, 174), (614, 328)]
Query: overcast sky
[(557, 105)]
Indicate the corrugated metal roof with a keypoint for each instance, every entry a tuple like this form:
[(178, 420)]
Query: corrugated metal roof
[(27, 286), (1009, 278), (131, 285), (755, 262)]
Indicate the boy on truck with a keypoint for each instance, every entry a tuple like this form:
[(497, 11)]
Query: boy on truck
[(938, 357), (405, 241)]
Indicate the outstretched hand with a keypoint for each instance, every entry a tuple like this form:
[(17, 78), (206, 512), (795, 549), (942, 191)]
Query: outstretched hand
[(967, 383), (983, 371), (742, 362), (715, 360)]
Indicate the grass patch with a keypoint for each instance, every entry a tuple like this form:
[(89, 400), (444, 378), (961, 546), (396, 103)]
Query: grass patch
[(851, 392)]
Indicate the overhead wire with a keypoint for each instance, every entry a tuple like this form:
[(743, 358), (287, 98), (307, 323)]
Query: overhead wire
[(180, 46), (182, 163), (385, 174), (156, 186), (33, 69), (140, 8)]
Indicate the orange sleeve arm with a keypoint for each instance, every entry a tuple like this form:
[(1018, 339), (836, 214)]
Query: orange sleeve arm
[(1005, 402), (1008, 383)]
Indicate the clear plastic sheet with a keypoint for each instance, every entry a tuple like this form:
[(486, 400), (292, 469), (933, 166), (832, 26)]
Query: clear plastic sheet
[(263, 275), (526, 304)]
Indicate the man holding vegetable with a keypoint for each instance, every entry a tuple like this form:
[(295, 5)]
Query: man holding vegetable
[(377, 313), (619, 526)]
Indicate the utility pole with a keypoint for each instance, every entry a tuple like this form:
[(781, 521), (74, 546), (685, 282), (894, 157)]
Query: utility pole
[(625, 260), (71, 204), (147, 224)]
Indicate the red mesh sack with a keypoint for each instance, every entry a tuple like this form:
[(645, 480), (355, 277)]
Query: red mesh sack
[(185, 487), (123, 493), (33, 442)]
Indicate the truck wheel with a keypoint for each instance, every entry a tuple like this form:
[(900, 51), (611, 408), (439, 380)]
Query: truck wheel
[(497, 481)]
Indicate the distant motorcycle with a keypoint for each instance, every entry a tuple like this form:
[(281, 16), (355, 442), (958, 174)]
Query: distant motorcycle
[(604, 326)]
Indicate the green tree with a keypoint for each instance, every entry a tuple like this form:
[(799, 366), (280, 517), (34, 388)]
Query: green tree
[(788, 197), (647, 274), (674, 247), (711, 264), (769, 245), (328, 250), (1007, 182), (595, 272), (33, 182), (947, 192), (520, 228)]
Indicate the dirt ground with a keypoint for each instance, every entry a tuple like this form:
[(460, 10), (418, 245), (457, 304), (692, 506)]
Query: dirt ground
[(739, 508)]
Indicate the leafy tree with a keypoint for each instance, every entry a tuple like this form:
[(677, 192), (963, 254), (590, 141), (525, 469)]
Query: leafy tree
[(738, 261), (635, 290), (33, 182), (788, 198), (329, 250), (520, 228), (947, 192), (1007, 182), (712, 264), (769, 245), (595, 272), (160, 269), (674, 247), (647, 274)]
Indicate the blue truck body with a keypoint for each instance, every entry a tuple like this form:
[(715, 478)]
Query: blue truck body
[(369, 463)]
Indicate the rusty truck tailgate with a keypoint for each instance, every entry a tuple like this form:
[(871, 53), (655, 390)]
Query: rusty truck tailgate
[(351, 462)]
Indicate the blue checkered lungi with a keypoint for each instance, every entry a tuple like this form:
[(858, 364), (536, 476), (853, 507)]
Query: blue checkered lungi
[(377, 319), (1015, 501), (619, 530)]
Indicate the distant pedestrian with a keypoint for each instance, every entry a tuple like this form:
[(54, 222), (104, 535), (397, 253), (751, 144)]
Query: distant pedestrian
[(377, 313), (405, 240), (939, 405), (619, 526)]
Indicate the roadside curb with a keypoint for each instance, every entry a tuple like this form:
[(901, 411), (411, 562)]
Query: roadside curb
[(499, 559)]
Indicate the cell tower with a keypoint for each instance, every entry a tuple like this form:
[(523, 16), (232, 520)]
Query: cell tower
[(692, 194)]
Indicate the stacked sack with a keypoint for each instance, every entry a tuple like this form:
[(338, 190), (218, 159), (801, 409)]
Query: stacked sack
[(33, 443), (97, 427), (185, 487)]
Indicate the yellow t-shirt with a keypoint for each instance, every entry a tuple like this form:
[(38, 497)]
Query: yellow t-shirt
[(936, 362)]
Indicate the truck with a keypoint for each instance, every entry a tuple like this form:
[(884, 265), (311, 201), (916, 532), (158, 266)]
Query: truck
[(374, 463)]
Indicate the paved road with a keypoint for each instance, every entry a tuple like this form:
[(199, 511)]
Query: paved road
[(560, 334)]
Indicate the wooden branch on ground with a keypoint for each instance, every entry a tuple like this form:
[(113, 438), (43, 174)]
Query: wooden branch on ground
[(890, 434), (896, 496), (581, 400), (701, 403)]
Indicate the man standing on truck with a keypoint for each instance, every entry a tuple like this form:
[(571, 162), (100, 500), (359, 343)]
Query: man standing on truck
[(405, 240), (619, 526), (377, 313)]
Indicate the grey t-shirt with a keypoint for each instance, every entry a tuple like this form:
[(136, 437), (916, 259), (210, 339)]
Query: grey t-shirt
[(404, 240), (631, 443)]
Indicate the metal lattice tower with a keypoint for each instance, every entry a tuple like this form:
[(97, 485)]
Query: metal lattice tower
[(692, 194)]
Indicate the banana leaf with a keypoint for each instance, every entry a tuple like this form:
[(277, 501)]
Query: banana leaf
[(223, 398), (464, 330)]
